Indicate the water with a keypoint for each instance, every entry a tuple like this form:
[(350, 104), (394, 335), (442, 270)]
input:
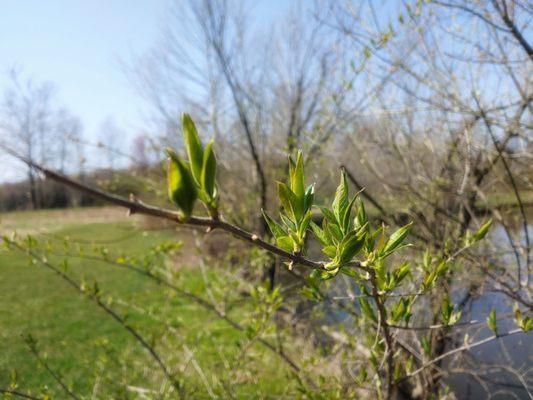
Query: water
[(502, 368), (499, 369)]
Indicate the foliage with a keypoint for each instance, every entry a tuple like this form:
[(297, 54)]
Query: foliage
[(85, 347), (195, 179), (391, 290)]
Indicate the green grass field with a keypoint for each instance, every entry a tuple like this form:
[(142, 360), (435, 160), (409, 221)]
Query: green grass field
[(92, 352)]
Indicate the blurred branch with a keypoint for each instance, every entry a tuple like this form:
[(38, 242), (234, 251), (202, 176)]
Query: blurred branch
[(16, 393), (458, 350), (197, 299), (33, 349), (96, 299), (504, 14), (515, 191)]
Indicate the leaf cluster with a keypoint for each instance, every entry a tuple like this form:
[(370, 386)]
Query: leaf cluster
[(296, 201), (195, 178)]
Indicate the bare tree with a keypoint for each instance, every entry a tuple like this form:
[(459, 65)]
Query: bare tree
[(111, 139), (69, 131), (26, 113), (447, 130), (264, 92), (141, 152)]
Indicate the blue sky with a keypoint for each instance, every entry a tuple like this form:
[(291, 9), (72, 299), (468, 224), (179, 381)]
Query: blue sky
[(79, 45)]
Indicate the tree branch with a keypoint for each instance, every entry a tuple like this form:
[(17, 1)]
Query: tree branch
[(105, 308), (19, 394), (458, 350), (136, 206)]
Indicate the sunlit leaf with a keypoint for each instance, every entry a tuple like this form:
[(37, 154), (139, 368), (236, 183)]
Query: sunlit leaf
[(193, 147), (340, 203), (297, 176), (491, 321), (209, 170), (275, 228), (289, 201), (482, 231), (330, 251), (181, 188), (285, 243), (319, 233), (396, 240)]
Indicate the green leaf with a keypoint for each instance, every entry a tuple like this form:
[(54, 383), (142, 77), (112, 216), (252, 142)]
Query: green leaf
[(289, 201), (401, 272), (454, 318), (482, 231), (350, 246), (367, 309), (320, 234), (527, 324), (396, 240), (194, 147), (296, 240), (524, 322), (288, 222), (209, 170), (426, 345), (346, 216), (297, 175), (330, 251), (351, 272), (401, 310), (427, 259), (181, 188), (309, 197), (320, 274), (285, 243), (449, 315), (340, 203), (491, 321), (361, 217), (304, 224), (328, 215), (362, 376), (275, 228), (333, 231)]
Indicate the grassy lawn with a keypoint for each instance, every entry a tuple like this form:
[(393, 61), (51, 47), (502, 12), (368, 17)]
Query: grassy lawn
[(88, 348)]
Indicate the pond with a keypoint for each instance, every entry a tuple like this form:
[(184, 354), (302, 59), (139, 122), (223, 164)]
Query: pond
[(502, 368), (498, 369)]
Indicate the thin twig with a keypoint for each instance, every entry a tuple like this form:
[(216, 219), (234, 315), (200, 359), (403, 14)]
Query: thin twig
[(191, 296), (19, 394), (136, 206), (56, 376), (458, 350), (143, 342)]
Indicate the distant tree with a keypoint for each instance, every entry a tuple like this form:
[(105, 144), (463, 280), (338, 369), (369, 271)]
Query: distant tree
[(111, 138), (141, 152), (69, 129), (266, 92), (25, 120)]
